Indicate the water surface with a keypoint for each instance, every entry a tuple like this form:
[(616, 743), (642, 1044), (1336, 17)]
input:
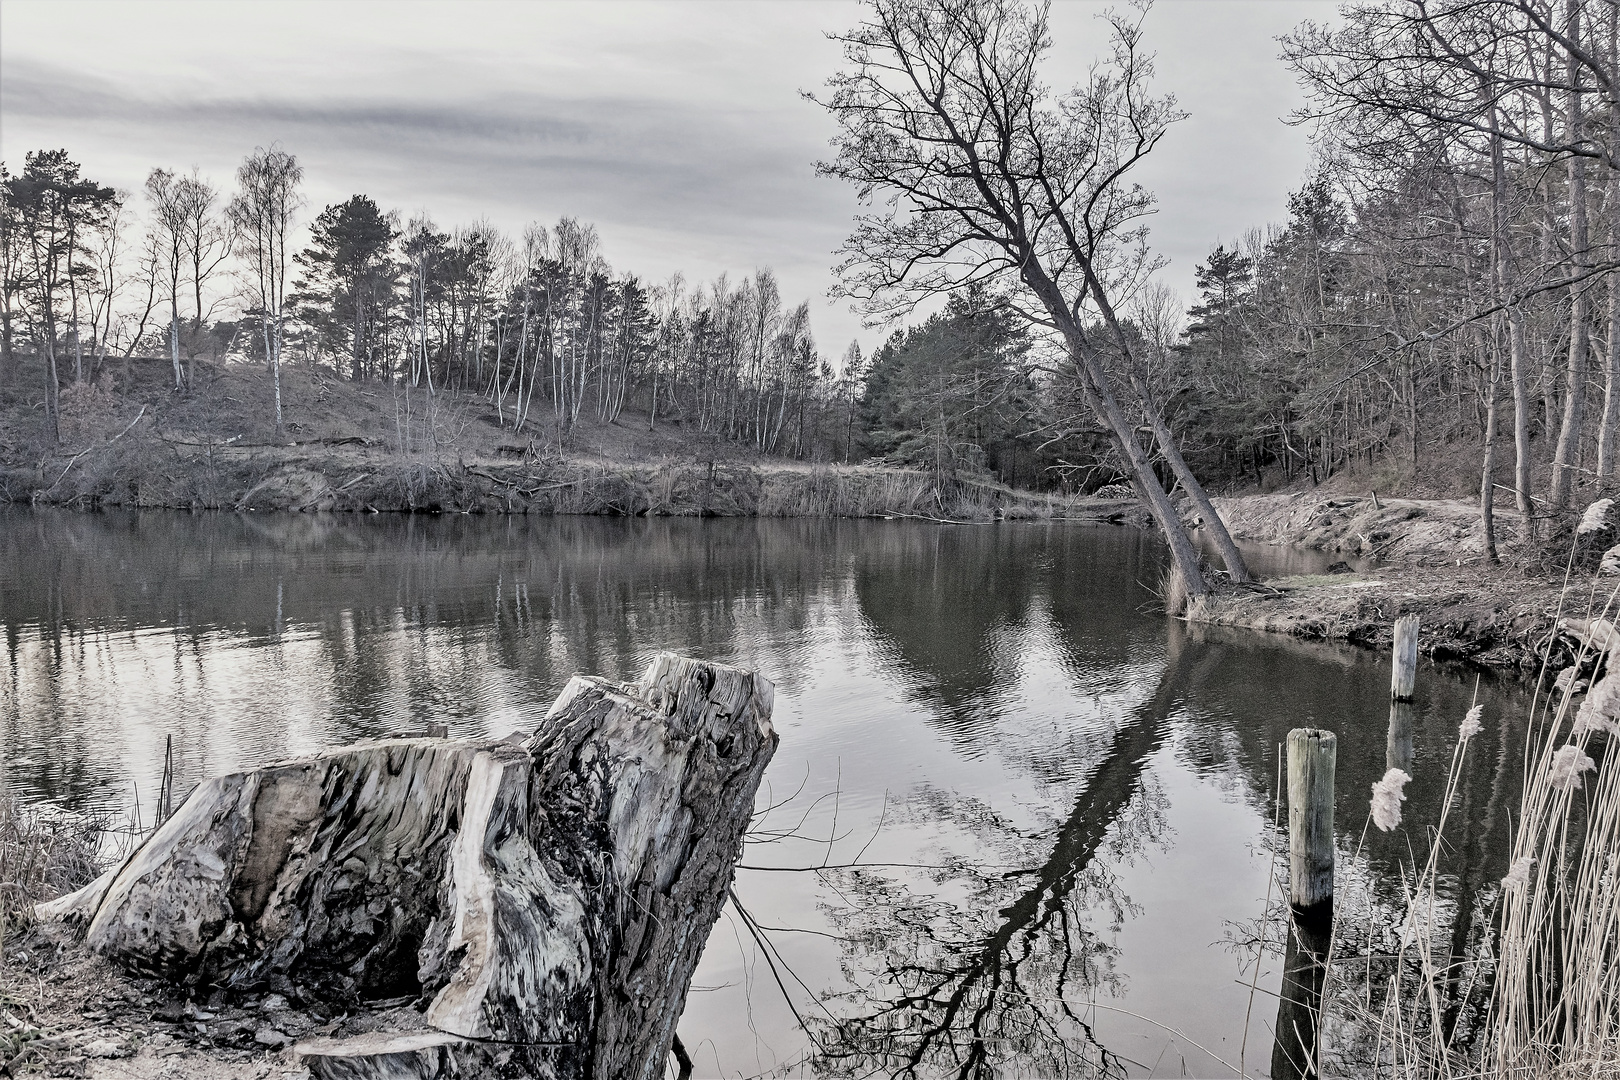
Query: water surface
[(1020, 817)]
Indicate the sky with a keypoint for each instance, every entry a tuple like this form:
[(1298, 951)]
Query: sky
[(678, 129)]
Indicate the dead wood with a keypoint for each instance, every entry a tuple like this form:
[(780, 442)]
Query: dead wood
[(543, 901)]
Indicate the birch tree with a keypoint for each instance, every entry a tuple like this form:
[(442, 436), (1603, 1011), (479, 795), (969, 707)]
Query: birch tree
[(167, 202), (262, 213)]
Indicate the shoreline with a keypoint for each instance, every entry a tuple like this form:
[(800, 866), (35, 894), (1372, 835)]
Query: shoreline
[(1414, 556), (346, 479), (1423, 557)]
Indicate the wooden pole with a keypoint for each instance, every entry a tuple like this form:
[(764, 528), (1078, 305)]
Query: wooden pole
[(1311, 757), (1404, 677), (1398, 743)]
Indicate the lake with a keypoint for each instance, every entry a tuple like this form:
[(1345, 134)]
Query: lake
[(1020, 823)]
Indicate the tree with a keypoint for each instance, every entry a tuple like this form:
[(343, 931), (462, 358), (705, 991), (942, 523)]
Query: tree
[(169, 213), (1482, 82), (56, 210), (262, 212), (13, 283), (208, 241), (348, 274), (945, 395), (985, 178)]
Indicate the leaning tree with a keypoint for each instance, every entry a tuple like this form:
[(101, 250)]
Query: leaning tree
[(975, 172)]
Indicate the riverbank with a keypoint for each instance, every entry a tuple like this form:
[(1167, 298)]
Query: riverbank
[(1410, 556), (129, 440), (356, 448), (320, 478)]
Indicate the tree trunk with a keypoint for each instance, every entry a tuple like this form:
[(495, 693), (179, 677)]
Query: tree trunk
[(1504, 267), (1189, 483), (1487, 483), (1100, 398), (174, 343), (1609, 428), (545, 901), (1569, 431)]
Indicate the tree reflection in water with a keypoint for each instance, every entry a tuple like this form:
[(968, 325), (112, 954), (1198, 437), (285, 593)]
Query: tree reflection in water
[(999, 977), (971, 671)]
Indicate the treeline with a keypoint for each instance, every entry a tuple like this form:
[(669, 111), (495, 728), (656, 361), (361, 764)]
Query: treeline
[(1442, 298), (541, 325), (1447, 275)]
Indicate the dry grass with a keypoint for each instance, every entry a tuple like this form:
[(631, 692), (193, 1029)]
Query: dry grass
[(1553, 969), (43, 854), (1171, 589), (1557, 999)]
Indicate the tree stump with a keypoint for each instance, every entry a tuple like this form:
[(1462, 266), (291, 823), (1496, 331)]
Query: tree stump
[(543, 901)]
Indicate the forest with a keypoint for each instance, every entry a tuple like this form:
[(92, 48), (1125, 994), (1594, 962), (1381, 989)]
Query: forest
[(1436, 314), (540, 325)]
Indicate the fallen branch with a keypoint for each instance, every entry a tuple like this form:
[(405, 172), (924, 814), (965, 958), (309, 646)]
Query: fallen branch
[(75, 459)]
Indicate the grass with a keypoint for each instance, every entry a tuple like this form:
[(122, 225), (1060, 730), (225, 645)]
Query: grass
[(1171, 589), (1313, 581), (1549, 975), (43, 854)]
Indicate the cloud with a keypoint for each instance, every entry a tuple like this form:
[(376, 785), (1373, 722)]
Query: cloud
[(669, 186), (676, 128)]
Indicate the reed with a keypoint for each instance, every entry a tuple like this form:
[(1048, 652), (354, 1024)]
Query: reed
[(1552, 962)]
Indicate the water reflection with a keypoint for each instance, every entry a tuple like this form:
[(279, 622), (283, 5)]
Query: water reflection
[(1003, 978), (1093, 782)]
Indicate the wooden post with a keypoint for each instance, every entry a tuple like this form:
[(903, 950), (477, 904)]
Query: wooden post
[(1398, 743), (1406, 651), (1311, 757)]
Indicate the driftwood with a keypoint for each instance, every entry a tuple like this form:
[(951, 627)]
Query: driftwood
[(544, 901)]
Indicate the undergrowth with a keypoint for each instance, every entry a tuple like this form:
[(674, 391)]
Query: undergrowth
[(44, 853)]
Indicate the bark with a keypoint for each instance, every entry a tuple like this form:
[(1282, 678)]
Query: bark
[(1609, 428), (1207, 513), (1504, 266), (545, 901), (1487, 483), (1569, 430)]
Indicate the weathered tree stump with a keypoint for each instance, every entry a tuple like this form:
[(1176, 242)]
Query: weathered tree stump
[(545, 901)]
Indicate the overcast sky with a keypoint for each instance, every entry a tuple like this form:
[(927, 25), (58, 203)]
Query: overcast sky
[(677, 128)]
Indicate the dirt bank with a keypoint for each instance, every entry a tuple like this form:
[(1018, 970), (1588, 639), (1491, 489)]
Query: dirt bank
[(317, 477), (131, 440), (1411, 556)]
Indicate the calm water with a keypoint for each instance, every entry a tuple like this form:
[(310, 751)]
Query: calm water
[(1062, 801)]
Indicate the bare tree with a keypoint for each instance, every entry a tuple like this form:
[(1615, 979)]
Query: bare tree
[(164, 192), (107, 254), (262, 213), (985, 178), (208, 242)]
